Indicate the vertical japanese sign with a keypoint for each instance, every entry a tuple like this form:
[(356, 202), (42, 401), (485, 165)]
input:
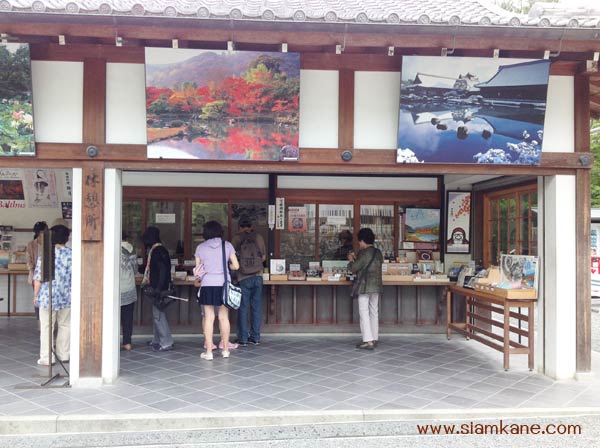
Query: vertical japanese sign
[(280, 213), (93, 204)]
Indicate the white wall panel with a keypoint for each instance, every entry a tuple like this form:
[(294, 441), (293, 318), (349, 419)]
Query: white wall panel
[(358, 183), (57, 101), (559, 127), (125, 104), (209, 180), (376, 107), (319, 94)]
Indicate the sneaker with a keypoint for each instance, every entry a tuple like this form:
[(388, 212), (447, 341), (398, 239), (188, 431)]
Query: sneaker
[(206, 356), (253, 341), (152, 344), (41, 362), (375, 343), (159, 348), (225, 354), (365, 346), (241, 343)]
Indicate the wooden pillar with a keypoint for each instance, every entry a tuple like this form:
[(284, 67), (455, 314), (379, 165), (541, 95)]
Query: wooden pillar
[(92, 218), (346, 110), (582, 225)]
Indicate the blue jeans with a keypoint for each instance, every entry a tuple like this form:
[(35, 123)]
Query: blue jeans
[(251, 299)]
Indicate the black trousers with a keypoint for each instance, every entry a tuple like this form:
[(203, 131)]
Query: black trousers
[(127, 322)]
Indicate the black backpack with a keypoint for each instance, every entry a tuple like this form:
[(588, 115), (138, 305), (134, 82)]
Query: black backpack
[(250, 255)]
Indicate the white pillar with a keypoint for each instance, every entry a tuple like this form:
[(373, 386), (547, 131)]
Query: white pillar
[(559, 287), (111, 300), (76, 276)]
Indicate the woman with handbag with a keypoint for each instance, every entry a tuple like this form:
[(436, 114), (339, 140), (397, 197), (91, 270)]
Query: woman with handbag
[(367, 268), (212, 254), (157, 278)]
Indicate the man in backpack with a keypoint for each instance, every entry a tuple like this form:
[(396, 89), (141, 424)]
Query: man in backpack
[(251, 251)]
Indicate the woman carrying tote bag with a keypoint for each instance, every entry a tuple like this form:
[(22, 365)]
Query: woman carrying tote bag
[(367, 268), (210, 297)]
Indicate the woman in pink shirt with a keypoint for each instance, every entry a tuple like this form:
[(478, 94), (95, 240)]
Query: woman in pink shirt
[(210, 297)]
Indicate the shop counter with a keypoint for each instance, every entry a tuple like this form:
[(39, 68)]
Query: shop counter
[(478, 301), (418, 285)]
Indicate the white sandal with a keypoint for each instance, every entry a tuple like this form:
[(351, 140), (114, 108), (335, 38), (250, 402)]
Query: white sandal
[(206, 356)]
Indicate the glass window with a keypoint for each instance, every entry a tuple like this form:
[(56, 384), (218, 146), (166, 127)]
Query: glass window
[(132, 223), (202, 212), (380, 219), (512, 223), (335, 221), (297, 244), (168, 216)]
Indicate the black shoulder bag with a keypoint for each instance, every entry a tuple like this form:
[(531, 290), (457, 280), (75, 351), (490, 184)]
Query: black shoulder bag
[(232, 295), (361, 278)]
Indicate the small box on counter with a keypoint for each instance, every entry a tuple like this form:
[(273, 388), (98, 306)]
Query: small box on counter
[(279, 277)]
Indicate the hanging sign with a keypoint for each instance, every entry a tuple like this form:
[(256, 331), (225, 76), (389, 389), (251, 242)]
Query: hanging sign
[(271, 216), (280, 213), (165, 218)]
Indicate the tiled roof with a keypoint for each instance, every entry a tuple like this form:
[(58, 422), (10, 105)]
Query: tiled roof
[(421, 12), (521, 74)]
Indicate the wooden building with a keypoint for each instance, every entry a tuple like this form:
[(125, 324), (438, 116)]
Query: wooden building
[(88, 70)]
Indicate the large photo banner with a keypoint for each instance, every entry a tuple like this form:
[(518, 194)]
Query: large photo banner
[(212, 104), (16, 109), (472, 110)]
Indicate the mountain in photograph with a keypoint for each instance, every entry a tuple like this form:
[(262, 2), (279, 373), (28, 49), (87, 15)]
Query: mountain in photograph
[(211, 67)]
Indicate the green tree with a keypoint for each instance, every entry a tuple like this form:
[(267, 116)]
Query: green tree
[(595, 150), (519, 6)]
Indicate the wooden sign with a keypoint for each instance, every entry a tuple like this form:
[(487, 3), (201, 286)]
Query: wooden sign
[(92, 204)]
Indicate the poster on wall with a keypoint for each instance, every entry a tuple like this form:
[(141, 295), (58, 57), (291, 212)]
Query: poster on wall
[(12, 194), (458, 222), (422, 225), (16, 107), (472, 110), (67, 210), (297, 219), (40, 185), (221, 105)]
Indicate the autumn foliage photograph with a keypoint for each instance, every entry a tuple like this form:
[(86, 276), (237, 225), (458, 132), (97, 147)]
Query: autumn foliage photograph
[(211, 104)]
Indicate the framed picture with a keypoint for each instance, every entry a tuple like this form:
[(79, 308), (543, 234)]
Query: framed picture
[(422, 225), (458, 222), (472, 110)]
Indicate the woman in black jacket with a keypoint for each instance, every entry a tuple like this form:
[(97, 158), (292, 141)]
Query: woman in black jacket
[(158, 276)]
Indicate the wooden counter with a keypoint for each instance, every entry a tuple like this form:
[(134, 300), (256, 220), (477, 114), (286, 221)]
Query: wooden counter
[(476, 301), (274, 284)]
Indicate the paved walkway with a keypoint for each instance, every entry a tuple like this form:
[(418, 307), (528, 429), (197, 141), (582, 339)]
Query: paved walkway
[(290, 374)]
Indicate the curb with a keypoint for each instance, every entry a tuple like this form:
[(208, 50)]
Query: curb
[(66, 424)]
